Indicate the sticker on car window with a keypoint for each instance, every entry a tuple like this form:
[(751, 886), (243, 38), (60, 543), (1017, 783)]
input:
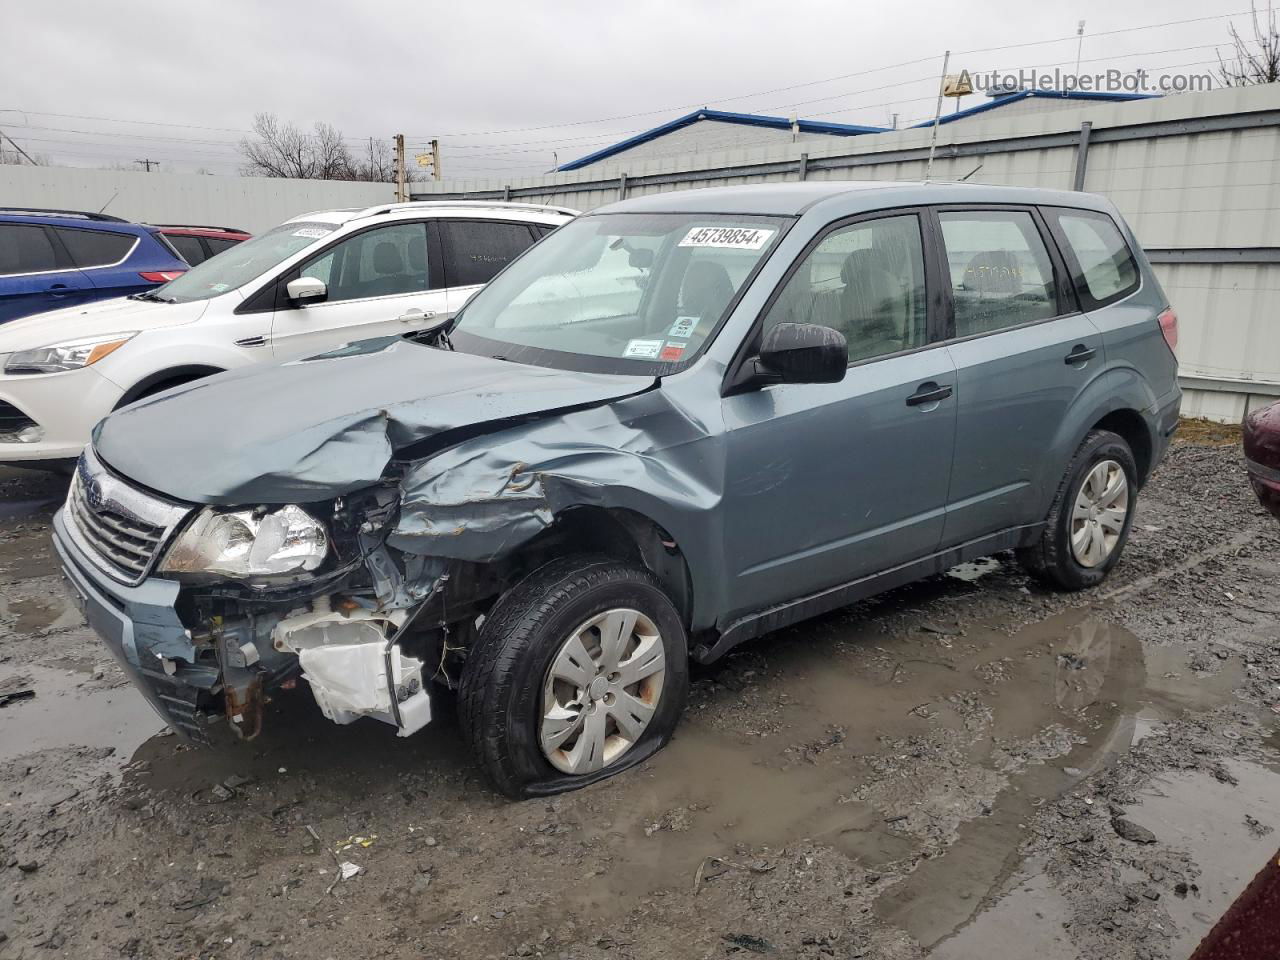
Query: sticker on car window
[(314, 233), (672, 351), (727, 238), (643, 349), (683, 327), (219, 287)]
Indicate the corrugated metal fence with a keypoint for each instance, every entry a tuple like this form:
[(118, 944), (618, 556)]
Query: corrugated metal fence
[(1197, 176)]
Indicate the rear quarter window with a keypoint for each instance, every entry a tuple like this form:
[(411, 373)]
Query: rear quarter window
[(95, 248), (188, 248), (1101, 261)]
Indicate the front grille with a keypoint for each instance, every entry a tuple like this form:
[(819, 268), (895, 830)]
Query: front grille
[(13, 420), (129, 545), (121, 528)]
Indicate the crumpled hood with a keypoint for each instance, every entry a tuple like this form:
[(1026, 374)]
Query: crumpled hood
[(309, 430), (101, 319)]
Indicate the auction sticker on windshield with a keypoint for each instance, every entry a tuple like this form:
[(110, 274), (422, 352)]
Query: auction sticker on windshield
[(643, 349), (314, 232), (727, 238)]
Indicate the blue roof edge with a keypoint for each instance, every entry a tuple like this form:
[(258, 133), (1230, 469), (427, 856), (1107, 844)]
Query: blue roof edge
[(1040, 94), (722, 116)]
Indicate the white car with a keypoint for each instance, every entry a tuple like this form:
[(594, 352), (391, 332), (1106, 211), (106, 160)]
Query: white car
[(313, 283)]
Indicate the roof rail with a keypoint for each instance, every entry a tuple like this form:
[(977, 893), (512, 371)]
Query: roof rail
[(198, 226), (45, 212), (479, 204)]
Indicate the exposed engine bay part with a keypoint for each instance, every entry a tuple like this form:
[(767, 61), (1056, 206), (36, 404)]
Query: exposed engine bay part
[(354, 667)]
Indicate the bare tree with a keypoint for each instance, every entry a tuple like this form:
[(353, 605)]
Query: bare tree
[(9, 154), (279, 149), (1248, 66)]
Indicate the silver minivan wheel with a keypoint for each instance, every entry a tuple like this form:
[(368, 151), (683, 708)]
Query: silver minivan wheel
[(601, 690), (1099, 514)]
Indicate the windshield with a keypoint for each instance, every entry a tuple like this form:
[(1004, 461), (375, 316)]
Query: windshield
[(242, 263), (631, 289)]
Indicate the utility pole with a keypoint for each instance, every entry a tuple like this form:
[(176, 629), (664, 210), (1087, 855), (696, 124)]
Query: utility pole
[(18, 148), (435, 159), (148, 164), (937, 114), (400, 195), (1079, 48)]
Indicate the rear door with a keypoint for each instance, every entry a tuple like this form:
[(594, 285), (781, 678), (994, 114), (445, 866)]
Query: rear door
[(1023, 351), (474, 251), (380, 281), (36, 273)]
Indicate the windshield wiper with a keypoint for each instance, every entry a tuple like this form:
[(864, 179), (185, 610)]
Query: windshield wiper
[(152, 296)]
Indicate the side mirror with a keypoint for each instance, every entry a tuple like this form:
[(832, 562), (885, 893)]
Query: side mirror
[(804, 353), (306, 289)]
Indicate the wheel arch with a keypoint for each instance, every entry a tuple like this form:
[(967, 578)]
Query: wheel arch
[(169, 375)]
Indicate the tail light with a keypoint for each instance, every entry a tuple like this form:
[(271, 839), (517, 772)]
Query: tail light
[(160, 276), (1169, 327)]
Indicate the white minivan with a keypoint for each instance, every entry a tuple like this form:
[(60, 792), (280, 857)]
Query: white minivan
[(314, 282)]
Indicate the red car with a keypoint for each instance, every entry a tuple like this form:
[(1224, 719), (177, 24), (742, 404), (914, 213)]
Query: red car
[(1262, 455), (197, 244)]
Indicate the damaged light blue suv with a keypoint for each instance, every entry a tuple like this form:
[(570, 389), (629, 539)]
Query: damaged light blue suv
[(674, 424)]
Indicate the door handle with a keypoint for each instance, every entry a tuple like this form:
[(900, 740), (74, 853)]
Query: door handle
[(58, 290), (929, 393), (414, 315), (1080, 354)]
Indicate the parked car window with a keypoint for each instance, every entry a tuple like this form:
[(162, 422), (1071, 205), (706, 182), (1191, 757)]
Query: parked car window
[(95, 248), (249, 261), (475, 250), (384, 262), (867, 282), (188, 248), (25, 249), (216, 246), (1001, 275), (1106, 263)]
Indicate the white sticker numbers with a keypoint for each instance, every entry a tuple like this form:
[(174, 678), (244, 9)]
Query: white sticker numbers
[(728, 238), (315, 233), (683, 327), (643, 349)]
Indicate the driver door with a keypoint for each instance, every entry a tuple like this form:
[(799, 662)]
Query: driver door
[(827, 483), (379, 282)]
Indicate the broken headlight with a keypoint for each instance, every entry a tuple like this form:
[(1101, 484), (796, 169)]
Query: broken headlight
[(249, 544)]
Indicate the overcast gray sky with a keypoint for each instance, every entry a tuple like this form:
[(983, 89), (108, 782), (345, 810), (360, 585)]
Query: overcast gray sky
[(509, 86)]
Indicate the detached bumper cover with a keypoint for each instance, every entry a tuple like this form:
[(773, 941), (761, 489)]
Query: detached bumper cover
[(140, 627)]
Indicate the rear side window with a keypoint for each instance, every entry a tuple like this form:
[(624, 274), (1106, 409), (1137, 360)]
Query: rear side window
[(1001, 274), (217, 246), (476, 250), (1104, 265), (188, 248), (25, 249), (95, 248)]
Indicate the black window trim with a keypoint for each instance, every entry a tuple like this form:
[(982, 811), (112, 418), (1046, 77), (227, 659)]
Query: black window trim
[(1067, 305), (446, 222), (749, 348), (1075, 271), (271, 296)]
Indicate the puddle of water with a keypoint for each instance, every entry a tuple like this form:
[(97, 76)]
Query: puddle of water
[(1025, 922), (64, 714), (27, 509), (1197, 813), (39, 613), (973, 570)]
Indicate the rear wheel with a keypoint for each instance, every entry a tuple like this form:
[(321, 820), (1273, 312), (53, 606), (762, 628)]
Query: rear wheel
[(1089, 521), (580, 671)]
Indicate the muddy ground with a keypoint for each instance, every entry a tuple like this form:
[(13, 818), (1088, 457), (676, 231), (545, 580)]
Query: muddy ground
[(971, 767)]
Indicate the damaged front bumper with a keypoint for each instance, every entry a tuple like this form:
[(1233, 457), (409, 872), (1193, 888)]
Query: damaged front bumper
[(228, 665)]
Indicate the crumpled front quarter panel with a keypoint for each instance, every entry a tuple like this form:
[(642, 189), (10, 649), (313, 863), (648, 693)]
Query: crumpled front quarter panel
[(646, 453)]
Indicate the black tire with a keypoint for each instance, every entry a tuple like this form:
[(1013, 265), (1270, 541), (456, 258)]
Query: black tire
[(1051, 559), (501, 689)]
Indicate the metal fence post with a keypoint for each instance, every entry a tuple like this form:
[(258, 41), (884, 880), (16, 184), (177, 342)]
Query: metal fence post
[(1082, 155), (803, 170), (622, 187), (506, 193)]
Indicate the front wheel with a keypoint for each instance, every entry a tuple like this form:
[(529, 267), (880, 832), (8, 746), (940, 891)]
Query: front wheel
[(579, 672), (1089, 521)]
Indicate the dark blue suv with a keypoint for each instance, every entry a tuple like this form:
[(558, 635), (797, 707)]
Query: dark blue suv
[(59, 258)]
